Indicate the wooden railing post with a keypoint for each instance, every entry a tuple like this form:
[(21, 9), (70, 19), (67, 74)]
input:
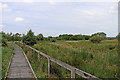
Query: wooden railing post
[(48, 67), (73, 73)]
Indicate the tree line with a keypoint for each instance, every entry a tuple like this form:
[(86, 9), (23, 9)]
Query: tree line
[(31, 39)]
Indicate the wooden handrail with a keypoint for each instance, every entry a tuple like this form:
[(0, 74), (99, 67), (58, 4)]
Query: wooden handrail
[(67, 66), (29, 64)]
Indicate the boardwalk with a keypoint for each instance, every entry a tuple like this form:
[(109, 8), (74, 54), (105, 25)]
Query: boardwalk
[(19, 67)]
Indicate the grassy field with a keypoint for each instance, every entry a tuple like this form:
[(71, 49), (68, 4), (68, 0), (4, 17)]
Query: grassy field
[(6, 55), (99, 60)]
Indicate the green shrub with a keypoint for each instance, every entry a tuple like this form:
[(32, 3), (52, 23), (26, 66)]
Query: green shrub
[(4, 42), (53, 40), (95, 39), (111, 47)]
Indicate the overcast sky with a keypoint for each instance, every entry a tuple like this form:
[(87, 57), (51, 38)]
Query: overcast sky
[(54, 18)]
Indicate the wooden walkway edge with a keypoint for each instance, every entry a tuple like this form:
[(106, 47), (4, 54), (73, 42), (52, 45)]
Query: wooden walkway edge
[(20, 66)]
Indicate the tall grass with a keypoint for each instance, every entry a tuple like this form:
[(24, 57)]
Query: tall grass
[(98, 59), (6, 55)]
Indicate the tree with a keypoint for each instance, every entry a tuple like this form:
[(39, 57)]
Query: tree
[(53, 40), (39, 37), (59, 38), (100, 34), (3, 35), (17, 37), (29, 39), (4, 42), (49, 37), (9, 36), (86, 37), (77, 37), (65, 37), (96, 39)]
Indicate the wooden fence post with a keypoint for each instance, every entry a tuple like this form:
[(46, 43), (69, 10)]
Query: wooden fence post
[(48, 67), (73, 73)]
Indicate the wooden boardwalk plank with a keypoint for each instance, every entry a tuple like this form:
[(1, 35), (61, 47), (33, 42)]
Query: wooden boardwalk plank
[(19, 67)]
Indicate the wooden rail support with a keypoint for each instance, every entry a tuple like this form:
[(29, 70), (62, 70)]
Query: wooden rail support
[(73, 73), (48, 67)]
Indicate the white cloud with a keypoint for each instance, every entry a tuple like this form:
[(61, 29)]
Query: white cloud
[(86, 12), (19, 19), (90, 13), (7, 10), (3, 5), (103, 27), (1, 26), (113, 9), (28, 1), (52, 2), (69, 17), (63, 0)]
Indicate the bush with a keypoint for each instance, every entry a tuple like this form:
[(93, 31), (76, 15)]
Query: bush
[(95, 39), (111, 47), (4, 42), (53, 40)]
